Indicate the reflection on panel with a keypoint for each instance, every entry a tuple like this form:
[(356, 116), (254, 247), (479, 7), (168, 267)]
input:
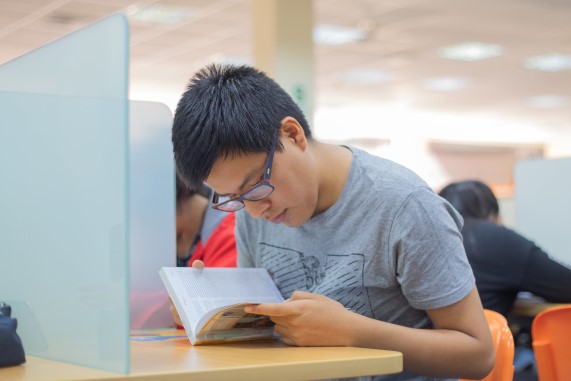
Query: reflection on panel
[(63, 200)]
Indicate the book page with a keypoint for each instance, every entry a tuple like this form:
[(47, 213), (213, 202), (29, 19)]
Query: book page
[(233, 323), (199, 292)]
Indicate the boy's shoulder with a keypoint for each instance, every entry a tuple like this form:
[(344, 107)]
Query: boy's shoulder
[(384, 174)]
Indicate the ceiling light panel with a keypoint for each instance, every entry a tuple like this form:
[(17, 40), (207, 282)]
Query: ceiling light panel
[(548, 101), (337, 35), (367, 76), (470, 51), (549, 62), (158, 14), (445, 84)]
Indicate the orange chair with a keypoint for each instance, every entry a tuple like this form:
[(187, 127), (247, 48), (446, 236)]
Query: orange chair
[(503, 345), (551, 335)]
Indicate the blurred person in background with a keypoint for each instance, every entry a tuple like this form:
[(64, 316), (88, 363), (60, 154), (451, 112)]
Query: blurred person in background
[(505, 263), (203, 233)]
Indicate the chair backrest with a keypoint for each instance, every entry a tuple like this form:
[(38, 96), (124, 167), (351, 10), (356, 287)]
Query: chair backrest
[(503, 345), (551, 335)]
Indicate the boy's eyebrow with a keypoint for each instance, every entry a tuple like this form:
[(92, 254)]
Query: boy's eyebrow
[(250, 176)]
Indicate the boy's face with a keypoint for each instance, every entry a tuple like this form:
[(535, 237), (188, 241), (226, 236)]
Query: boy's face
[(294, 200)]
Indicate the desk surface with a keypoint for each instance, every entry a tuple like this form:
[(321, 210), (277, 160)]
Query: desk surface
[(530, 306), (175, 359)]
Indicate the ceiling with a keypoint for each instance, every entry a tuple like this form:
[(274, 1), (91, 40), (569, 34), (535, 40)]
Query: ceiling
[(403, 38)]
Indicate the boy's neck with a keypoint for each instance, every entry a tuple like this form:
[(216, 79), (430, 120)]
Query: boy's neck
[(333, 165)]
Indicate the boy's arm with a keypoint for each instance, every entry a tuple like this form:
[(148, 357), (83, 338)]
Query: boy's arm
[(460, 345)]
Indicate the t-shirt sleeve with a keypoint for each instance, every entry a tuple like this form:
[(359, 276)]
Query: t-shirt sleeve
[(427, 251)]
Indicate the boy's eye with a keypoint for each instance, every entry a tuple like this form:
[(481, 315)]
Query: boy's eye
[(225, 197), (251, 185)]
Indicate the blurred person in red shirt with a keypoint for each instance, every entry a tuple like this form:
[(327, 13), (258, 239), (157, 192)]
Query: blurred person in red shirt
[(203, 233)]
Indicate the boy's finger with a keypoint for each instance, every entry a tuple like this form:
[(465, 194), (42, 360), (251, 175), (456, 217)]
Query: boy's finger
[(297, 295), (271, 309), (198, 264)]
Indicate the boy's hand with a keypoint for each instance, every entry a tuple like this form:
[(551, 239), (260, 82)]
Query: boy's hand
[(174, 313), (308, 319), (198, 264)]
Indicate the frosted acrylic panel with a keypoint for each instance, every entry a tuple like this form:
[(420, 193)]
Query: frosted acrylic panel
[(543, 205), (63, 199), (152, 212)]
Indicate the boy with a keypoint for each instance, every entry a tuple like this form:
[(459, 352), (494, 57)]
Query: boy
[(377, 255)]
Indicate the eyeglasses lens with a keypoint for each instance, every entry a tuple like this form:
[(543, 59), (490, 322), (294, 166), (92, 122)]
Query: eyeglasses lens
[(231, 206), (261, 191)]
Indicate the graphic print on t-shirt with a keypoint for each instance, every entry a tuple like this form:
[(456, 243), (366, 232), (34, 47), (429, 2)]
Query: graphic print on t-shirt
[(340, 278)]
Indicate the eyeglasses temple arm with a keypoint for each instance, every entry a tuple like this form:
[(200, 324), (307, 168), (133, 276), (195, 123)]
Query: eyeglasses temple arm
[(268, 172)]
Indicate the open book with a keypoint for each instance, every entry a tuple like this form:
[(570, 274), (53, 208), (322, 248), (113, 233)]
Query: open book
[(210, 302)]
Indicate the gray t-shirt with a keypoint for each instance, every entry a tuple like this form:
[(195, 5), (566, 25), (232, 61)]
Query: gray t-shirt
[(389, 248)]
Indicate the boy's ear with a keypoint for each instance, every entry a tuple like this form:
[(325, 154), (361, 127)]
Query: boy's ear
[(292, 130)]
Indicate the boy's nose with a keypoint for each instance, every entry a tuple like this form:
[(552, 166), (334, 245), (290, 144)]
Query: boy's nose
[(257, 208)]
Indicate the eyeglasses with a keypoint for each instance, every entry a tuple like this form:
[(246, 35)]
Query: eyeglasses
[(258, 192)]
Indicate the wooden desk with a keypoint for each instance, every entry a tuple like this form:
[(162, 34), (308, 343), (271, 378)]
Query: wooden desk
[(175, 359), (531, 310), (530, 306), (521, 316)]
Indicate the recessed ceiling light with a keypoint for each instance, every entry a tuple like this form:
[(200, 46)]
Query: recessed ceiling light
[(158, 14), (367, 76), (445, 83), (548, 101), (550, 62), (337, 35), (470, 51)]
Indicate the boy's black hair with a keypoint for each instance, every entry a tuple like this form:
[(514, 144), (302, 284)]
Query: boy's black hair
[(473, 199), (228, 111)]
